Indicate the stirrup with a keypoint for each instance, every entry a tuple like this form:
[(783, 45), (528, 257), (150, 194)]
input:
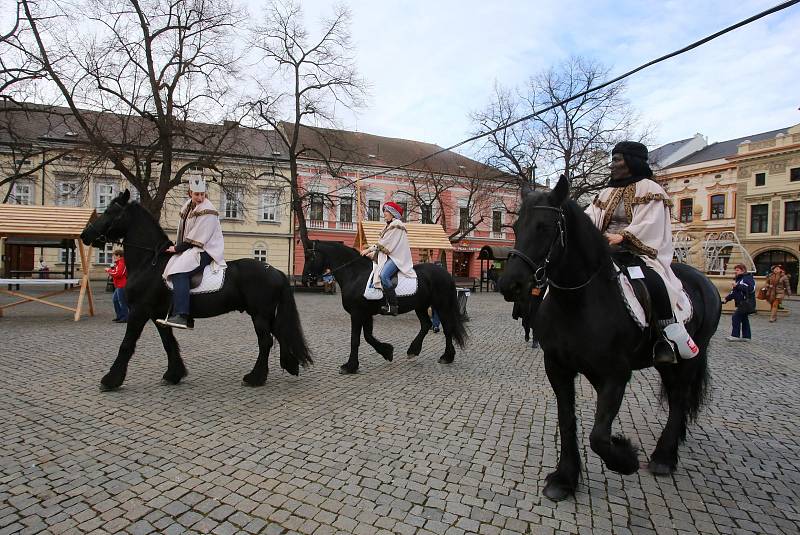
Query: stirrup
[(664, 352)]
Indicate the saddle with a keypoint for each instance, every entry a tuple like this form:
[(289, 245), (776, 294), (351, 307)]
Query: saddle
[(209, 280), (404, 286)]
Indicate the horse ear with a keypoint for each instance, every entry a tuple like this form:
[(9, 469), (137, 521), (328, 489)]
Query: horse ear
[(561, 192), (126, 196)]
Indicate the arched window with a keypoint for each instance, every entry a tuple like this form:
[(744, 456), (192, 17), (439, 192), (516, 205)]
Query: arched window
[(260, 252)]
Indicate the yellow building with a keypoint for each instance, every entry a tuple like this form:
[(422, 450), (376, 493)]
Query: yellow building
[(746, 188)]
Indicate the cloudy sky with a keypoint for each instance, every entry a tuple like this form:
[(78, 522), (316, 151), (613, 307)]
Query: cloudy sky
[(431, 62)]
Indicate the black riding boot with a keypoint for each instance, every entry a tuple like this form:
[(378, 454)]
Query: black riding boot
[(391, 307)]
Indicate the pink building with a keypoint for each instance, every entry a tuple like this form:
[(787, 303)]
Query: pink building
[(473, 202)]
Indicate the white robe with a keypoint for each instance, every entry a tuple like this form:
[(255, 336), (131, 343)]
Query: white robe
[(204, 232), (393, 243), (649, 234)]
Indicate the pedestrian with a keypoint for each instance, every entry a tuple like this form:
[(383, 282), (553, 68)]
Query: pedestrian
[(119, 276), (199, 243), (743, 293), (44, 269), (328, 282), (777, 289), (435, 321)]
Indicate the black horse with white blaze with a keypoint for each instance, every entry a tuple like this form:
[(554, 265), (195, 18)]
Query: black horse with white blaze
[(584, 327), (250, 286), (435, 288)]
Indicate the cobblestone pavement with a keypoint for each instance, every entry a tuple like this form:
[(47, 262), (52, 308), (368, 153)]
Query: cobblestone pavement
[(409, 447)]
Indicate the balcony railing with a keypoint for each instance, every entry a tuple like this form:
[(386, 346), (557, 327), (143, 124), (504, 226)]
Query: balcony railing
[(345, 225), (497, 235), (330, 224), (315, 223)]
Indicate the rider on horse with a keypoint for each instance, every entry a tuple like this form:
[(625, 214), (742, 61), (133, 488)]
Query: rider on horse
[(199, 242), (633, 212), (392, 253)]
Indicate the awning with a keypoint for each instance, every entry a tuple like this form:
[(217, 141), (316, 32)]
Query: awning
[(494, 252), (44, 221), (420, 236)]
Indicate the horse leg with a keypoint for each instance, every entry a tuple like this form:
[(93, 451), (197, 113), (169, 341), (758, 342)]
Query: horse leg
[(351, 366), (447, 327), (664, 459), (385, 350), (424, 326), (616, 451), (176, 370), (116, 375), (258, 375), (564, 480)]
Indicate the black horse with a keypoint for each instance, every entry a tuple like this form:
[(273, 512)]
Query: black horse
[(250, 286), (435, 288), (584, 327)]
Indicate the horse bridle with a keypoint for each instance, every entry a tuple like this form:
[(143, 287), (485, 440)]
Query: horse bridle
[(313, 252), (102, 236), (539, 269)]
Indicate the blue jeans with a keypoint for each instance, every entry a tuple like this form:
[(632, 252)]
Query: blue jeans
[(120, 304), (180, 286), (435, 319), (389, 269), (740, 323)]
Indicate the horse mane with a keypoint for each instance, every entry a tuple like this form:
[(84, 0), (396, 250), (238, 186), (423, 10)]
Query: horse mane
[(590, 238), (139, 209)]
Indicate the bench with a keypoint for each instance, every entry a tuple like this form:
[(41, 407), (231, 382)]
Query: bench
[(467, 282), (69, 285)]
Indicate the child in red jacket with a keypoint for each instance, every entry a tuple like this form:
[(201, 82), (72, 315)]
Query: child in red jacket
[(119, 275)]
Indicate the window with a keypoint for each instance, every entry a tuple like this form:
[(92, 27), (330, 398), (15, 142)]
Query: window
[(106, 254), (22, 194), (427, 213), (67, 256), (260, 252), (761, 179), (68, 193), (374, 210), (686, 211), (794, 174), (233, 203), (718, 206), (758, 217), (791, 216), (463, 218), (317, 207), (346, 212), (104, 193), (497, 221), (269, 205)]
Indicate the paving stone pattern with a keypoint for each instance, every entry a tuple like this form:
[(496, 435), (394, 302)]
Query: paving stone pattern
[(408, 447)]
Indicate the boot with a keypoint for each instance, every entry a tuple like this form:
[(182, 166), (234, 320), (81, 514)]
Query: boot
[(677, 333), (391, 307), (663, 352), (178, 321)]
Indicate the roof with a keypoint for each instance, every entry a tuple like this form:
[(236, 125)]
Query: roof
[(44, 221), (657, 155), (344, 146), (723, 149), (26, 122), (420, 236)]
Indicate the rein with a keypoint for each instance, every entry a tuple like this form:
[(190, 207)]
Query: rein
[(335, 269), (540, 278)]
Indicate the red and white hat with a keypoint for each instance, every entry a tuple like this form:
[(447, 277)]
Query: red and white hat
[(393, 208)]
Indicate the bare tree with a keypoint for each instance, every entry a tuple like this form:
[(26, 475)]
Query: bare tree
[(574, 138), (308, 79), (139, 81)]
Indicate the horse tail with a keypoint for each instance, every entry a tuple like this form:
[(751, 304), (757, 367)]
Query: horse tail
[(289, 332), (449, 307)]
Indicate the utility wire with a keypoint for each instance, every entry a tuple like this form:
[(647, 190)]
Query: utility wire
[(683, 50)]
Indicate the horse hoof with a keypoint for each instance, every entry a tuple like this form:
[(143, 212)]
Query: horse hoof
[(389, 356), (247, 380), (659, 469), (412, 355), (106, 388), (445, 360), (556, 492), (344, 369)]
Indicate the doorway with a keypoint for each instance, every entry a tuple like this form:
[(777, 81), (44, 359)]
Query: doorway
[(461, 263), (767, 259)]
